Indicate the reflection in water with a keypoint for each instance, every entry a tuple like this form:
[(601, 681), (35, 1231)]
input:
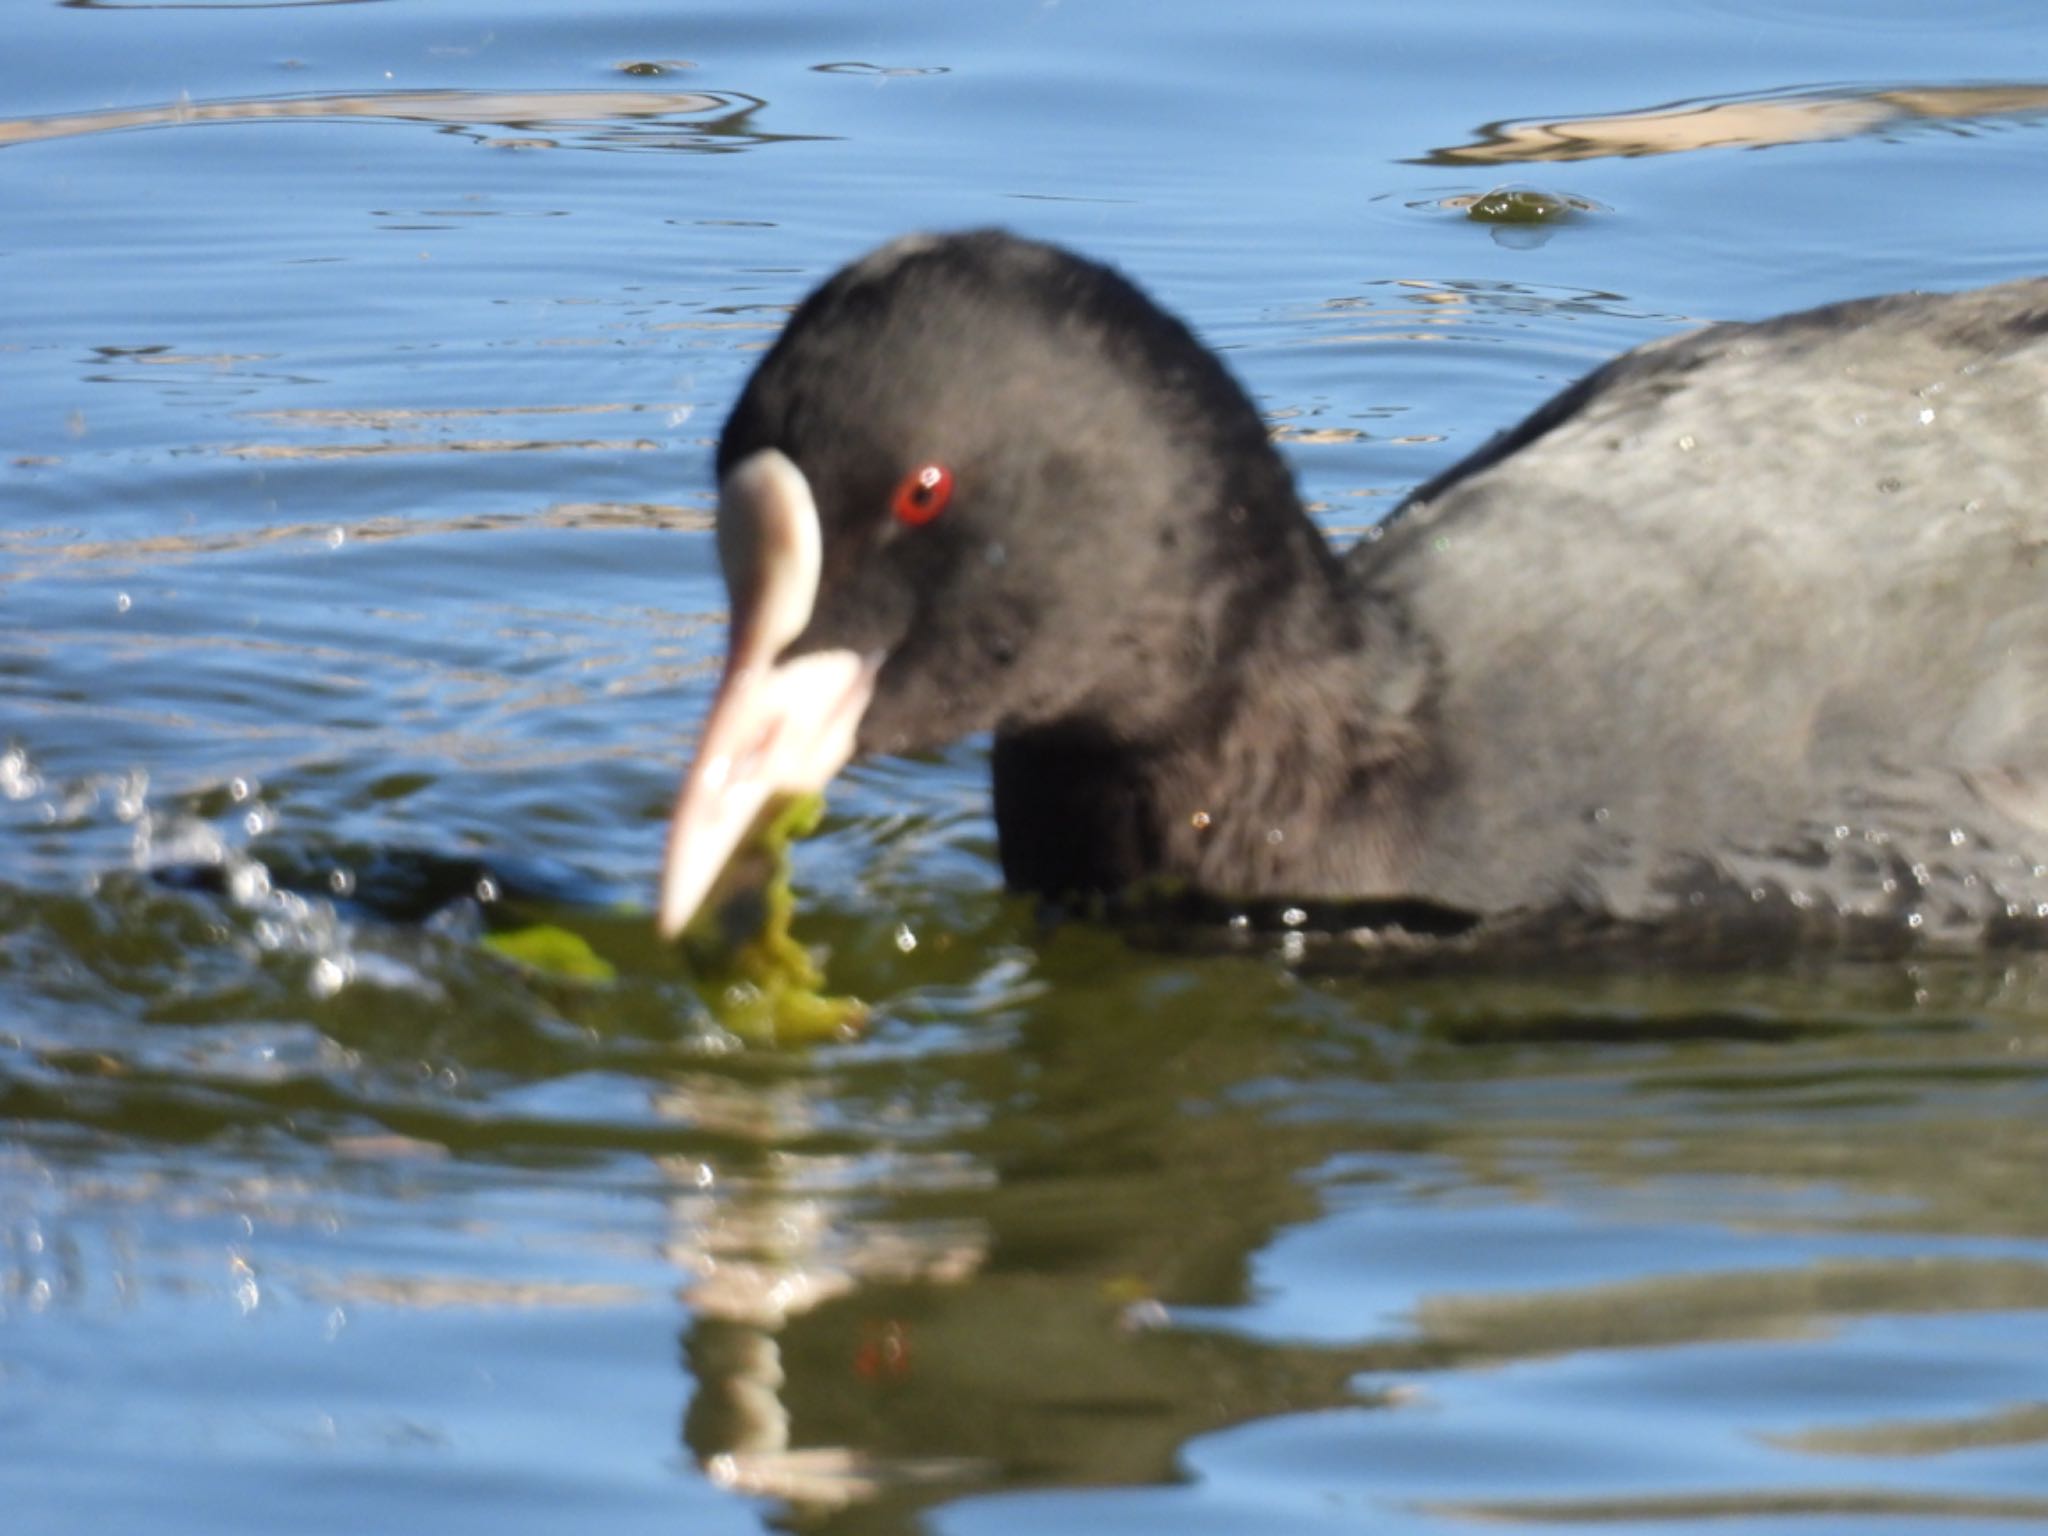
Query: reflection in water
[(2027, 1425), (35, 550), (704, 120), (1752, 122), (770, 1233), (204, 5), (1055, 1253)]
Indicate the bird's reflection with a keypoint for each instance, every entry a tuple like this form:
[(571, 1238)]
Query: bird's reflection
[(768, 1233)]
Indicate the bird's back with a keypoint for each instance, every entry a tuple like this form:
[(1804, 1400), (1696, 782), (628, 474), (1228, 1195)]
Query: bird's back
[(1739, 590)]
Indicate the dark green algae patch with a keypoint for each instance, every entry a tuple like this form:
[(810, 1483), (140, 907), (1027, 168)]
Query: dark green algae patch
[(758, 979)]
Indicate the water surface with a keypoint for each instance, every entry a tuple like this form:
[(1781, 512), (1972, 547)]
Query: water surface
[(360, 368)]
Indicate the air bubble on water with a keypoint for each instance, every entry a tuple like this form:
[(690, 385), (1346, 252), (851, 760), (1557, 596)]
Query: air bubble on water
[(906, 941)]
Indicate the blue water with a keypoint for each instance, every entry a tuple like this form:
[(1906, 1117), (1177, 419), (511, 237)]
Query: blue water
[(359, 371)]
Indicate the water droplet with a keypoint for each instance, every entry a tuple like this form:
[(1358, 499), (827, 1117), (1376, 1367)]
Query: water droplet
[(328, 978), (486, 890), (1687, 443), (1275, 837), (1145, 1316), (906, 941), (122, 602), (248, 1294), (1957, 837), (1926, 417), (18, 780), (1199, 821), (1293, 917), (248, 884), (336, 537)]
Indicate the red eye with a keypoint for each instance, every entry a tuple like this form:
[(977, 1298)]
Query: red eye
[(923, 495)]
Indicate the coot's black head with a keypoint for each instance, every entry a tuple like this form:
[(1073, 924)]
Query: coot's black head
[(977, 483)]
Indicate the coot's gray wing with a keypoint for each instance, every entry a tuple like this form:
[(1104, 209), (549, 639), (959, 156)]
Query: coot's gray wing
[(1736, 587)]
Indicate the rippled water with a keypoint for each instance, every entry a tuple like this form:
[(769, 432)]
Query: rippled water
[(359, 373)]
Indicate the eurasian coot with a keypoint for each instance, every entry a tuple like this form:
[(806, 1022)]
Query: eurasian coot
[(1765, 596)]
